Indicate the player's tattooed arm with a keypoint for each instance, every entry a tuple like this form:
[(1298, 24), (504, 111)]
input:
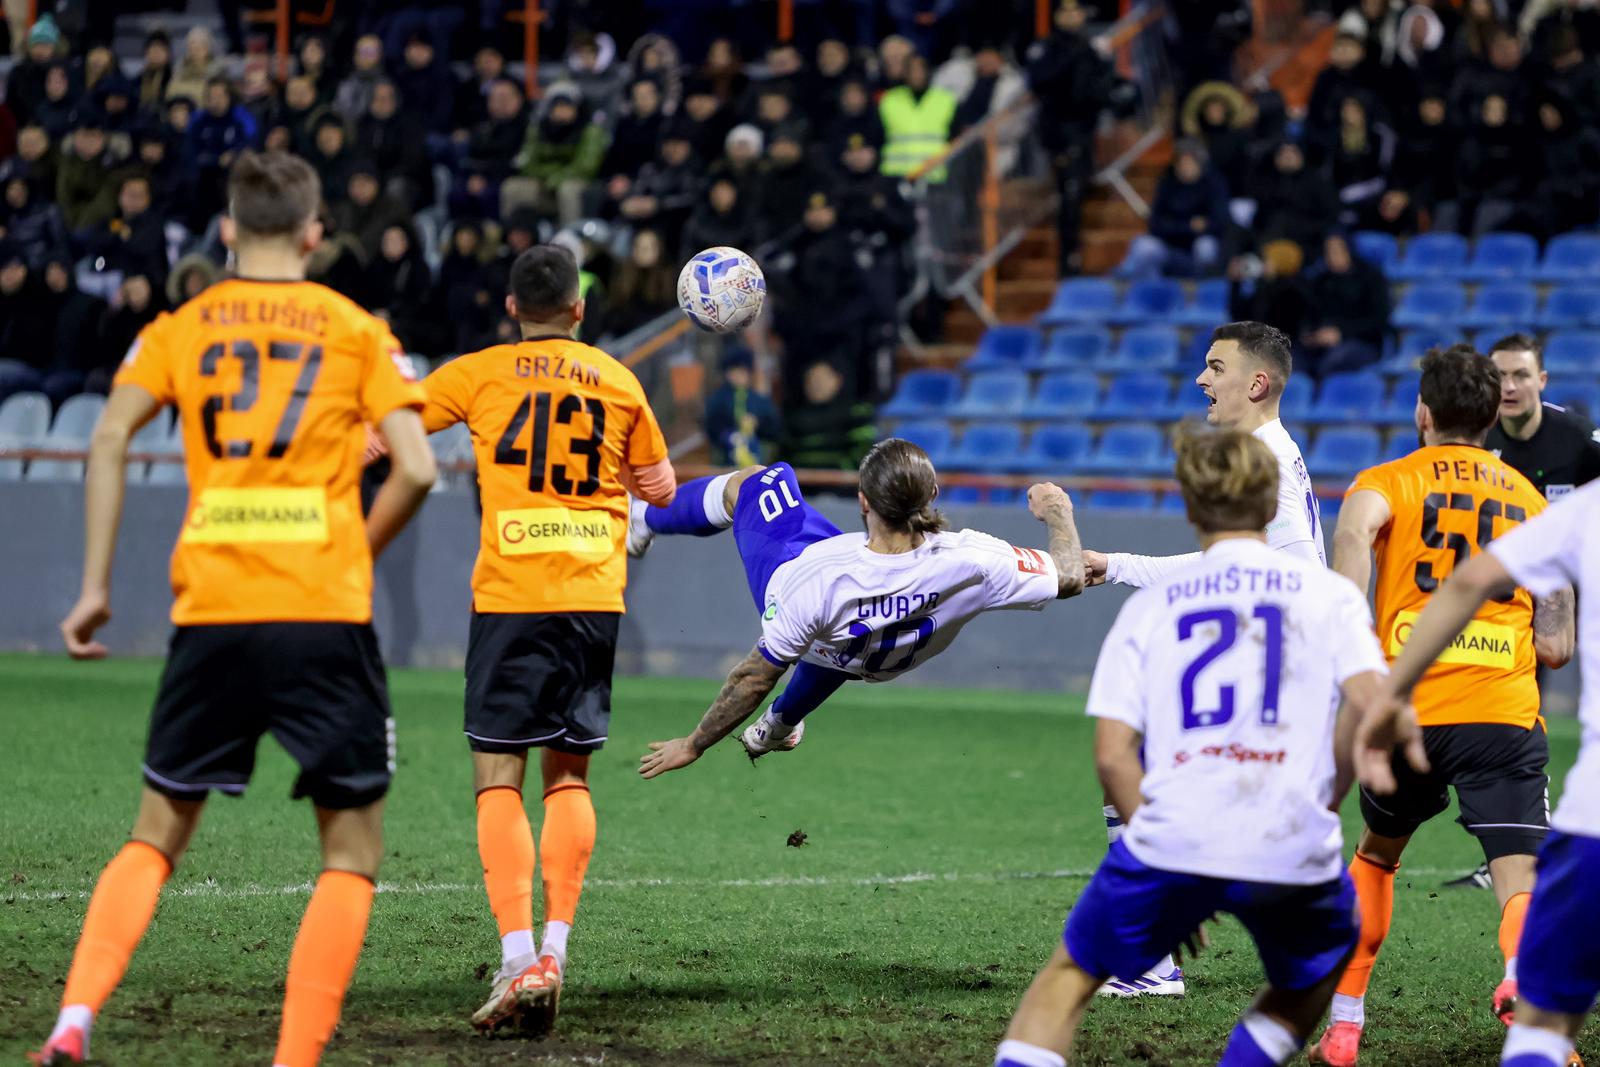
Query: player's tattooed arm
[(748, 684), (1052, 506), (1553, 628)]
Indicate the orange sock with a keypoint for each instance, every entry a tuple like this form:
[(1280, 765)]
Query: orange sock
[(123, 904), (324, 958), (1375, 895), (1512, 917), (567, 842), (505, 845)]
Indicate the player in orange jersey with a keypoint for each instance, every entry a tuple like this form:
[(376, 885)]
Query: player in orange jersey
[(273, 378), (1423, 516), (561, 432)]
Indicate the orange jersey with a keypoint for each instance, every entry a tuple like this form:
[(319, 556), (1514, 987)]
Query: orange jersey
[(274, 383), (1446, 504), (553, 424)]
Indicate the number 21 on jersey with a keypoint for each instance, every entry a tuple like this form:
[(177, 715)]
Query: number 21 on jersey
[(1196, 627)]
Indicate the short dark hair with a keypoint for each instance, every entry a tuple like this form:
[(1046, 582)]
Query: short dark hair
[(1265, 344), (1462, 391), (1520, 342), (900, 485), (272, 194), (544, 281)]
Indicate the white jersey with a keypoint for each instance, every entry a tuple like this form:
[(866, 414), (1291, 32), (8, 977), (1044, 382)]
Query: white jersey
[(1295, 529), (1545, 554), (1231, 669), (875, 616)]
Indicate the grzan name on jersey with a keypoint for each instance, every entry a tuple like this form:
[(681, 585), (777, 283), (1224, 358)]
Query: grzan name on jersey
[(557, 367), (1233, 580)]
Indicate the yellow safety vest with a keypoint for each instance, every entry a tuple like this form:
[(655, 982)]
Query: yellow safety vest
[(915, 130)]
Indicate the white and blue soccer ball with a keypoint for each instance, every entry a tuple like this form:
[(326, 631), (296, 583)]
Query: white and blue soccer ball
[(722, 290)]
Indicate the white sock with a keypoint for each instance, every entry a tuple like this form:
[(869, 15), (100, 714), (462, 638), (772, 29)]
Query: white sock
[(1027, 1055), (515, 947), (1511, 969), (777, 729), (716, 507), (1349, 1009), (74, 1015), (1532, 1041), (1114, 825), (1165, 967), (1270, 1036), (555, 942)]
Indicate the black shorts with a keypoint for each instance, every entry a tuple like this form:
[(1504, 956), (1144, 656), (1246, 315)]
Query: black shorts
[(540, 680), (1499, 776), (318, 687)]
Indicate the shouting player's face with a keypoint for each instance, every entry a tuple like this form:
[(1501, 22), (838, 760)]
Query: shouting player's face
[(1230, 381), (1521, 382)]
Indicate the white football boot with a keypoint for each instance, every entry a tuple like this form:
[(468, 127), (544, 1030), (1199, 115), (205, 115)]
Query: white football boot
[(639, 535), (770, 734)]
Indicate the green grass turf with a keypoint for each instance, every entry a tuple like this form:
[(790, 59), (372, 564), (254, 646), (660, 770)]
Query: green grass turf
[(991, 795)]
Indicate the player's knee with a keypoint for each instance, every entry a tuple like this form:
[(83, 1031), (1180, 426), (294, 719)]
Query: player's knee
[(730, 490), (166, 823), (563, 768), (1383, 850), (498, 770), (1512, 874), (352, 839)]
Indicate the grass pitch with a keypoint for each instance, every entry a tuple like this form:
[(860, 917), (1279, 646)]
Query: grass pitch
[(946, 834)]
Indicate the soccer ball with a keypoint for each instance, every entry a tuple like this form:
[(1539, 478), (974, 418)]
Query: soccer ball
[(722, 290)]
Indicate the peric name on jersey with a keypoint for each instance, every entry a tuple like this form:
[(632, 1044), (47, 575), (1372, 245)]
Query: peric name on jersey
[(287, 315), (895, 606), (1233, 580), (557, 366), (1463, 470)]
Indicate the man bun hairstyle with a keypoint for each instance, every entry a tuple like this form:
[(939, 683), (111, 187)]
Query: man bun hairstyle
[(544, 282), (273, 194), (1229, 480), (900, 485), (1461, 389), (1265, 344)]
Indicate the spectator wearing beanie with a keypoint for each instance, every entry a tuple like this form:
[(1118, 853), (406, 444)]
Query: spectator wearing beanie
[(423, 78), (1187, 220), (386, 137), (1349, 314), (33, 223), (114, 97), (559, 159), (199, 65), (83, 179), (741, 161), (25, 85), (593, 67), (156, 74)]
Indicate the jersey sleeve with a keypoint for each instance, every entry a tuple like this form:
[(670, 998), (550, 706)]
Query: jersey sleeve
[(449, 391), (149, 361), (1542, 554), (1115, 691), (1013, 577), (390, 383), (791, 620), (1354, 642), (1375, 479), (1124, 568)]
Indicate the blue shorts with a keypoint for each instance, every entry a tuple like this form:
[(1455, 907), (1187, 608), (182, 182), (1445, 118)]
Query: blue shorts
[(1558, 963), (772, 524), (1131, 915)]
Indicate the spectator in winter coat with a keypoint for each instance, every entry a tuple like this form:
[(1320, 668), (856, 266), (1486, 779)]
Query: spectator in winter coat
[(471, 104), (1270, 288), (741, 422), (1349, 312), (81, 362), (784, 188), (491, 151), (216, 135), (355, 92), (1567, 194), (25, 85), (1360, 163), (199, 65), (462, 290), (821, 86), (297, 119), (156, 160), (560, 157), (156, 74), (27, 326), (1418, 186), (855, 117), (258, 94), (1187, 220), (314, 68), (1346, 74), (822, 269), (634, 139), (423, 78), (192, 275), (1222, 118), (1495, 169), (134, 240), (32, 224), (331, 157), (825, 427), (720, 219), (724, 69), (870, 204), (643, 286), (742, 161), (138, 304), (388, 138), (399, 290), (665, 191), (36, 155), (707, 121), (1294, 201), (83, 179), (367, 211), (1569, 74), (59, 105), (593, 66), (1503, 76)]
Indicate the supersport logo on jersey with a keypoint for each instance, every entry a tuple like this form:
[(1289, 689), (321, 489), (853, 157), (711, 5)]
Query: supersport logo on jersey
[(1030, 560)]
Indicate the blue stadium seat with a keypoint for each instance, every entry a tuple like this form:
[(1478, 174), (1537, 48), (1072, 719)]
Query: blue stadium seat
[(1209, 307), (1122, 500), (1380, 249), (1503, 255), (1328, 511), (923, 392), (1583, 397), (1136, 449), (1414, 344), (1571, 257), (1064, 395), (1006, 346), (24, 423), (933, 436), (1400, 405), (1154, 300), (1437, 304), (1572, 352), (992, 394), (1187, 402), (1076, 346), (1502, 305), (986, 446), (1431, 256), (1171, 504), (1401, 445), (968, 495), (1343, 450), (1570, 307), (1348, 398), (1297, 399), (1146, 348), (1082, 300), (1135, 397), (1056, 449)]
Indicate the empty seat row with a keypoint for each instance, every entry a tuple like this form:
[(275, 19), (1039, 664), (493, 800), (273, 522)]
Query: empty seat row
[(1566, 352), (1506, 305), (1569, 257), (1022, 347), (1155, 300)]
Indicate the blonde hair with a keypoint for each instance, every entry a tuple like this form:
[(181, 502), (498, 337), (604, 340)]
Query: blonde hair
[(1229, 480)]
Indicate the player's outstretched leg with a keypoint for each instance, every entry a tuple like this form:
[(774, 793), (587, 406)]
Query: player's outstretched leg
[(120, 910), (334, 925), (1373, 872), (783, 725), (505, 848), (567, 841), (703, 507), (1165, 979)]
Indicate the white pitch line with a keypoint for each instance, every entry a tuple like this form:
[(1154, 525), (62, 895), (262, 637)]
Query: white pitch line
[(212, 888)]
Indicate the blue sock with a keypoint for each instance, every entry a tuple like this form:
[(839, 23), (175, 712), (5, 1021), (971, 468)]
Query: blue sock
[(1531, 1046), (1259, 1041), (688, 513)]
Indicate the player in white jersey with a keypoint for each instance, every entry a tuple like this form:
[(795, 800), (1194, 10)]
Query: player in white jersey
[(1558, 958), (1219, 743), (1247, 368), (838, 606)]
